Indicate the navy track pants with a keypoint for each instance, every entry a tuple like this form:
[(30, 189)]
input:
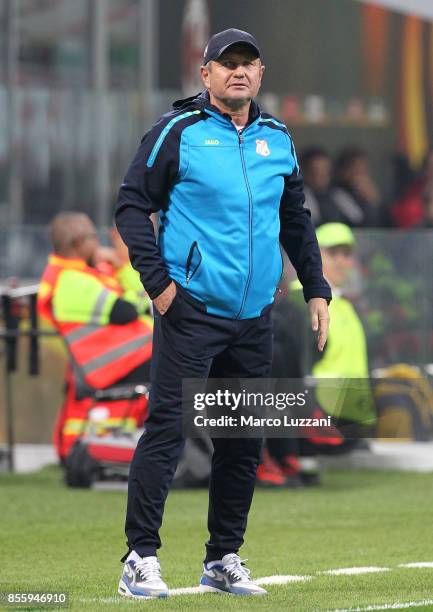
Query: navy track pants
[(190, 343)]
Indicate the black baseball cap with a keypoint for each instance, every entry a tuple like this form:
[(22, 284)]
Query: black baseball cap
[(218, 43)]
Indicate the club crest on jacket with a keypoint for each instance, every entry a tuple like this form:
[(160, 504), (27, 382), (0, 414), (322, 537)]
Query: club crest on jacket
[(262, 148)]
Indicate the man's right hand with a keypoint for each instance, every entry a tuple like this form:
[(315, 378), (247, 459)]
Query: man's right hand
[(163, 302)]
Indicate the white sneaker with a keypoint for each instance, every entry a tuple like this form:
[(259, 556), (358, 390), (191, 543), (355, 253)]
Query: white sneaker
[(229, 576), (141, 578)]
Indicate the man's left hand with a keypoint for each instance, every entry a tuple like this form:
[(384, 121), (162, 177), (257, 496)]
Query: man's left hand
[(319, 315)]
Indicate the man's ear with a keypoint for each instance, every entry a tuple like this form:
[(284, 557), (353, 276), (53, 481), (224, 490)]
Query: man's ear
[(204, 73)]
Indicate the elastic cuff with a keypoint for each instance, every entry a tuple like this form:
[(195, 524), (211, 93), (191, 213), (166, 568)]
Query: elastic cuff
[(216, 554), (145, 551), (125, 556), (142, 551), (317, 292), (156, 291)]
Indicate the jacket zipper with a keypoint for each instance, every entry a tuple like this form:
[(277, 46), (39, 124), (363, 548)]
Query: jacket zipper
[(250, 223), (250, 209)]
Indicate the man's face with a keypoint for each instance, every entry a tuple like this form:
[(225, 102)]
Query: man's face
[(338, 263), (317, 175), (86, 243), (234, 79), (357, 169)]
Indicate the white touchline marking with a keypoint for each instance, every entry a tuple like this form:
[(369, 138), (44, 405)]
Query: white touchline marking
[(415, 565), (393, 606), (185, 591), (188, 590), (196, 590), (282, 579), (351, 571)]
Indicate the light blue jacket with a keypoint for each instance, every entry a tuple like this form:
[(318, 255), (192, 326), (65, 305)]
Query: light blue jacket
[(226, 201)]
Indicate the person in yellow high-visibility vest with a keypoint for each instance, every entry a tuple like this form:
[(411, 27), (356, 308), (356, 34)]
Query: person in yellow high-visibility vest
[(114, 261), (344, 359), (109, 342)]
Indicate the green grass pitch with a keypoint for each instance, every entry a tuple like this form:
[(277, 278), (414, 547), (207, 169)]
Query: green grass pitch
[(55, 539)]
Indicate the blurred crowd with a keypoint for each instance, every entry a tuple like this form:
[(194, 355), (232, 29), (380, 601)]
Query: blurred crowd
[(343, 190)]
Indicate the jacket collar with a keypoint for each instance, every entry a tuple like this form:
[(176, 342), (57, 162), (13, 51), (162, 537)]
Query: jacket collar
[(201, 101)]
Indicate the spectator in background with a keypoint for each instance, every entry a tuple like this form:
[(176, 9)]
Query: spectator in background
[(114, 261), (316, 167), (355, 192), (108, 340), (409, 210), (289, 462)]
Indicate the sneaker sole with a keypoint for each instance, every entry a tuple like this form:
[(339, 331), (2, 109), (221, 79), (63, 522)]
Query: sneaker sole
[(123, 590), (205, 588)]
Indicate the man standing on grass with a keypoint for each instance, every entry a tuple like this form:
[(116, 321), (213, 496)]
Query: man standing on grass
[(226, 182)]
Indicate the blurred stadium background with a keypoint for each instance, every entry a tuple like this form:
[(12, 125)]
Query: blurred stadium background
[(80, 82)]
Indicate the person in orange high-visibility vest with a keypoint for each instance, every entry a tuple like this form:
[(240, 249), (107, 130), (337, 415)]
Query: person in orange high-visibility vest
[(108, 341)]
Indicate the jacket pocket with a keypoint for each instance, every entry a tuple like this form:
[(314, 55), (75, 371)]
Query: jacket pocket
[(193, 262), (175, 309), (282, 266)]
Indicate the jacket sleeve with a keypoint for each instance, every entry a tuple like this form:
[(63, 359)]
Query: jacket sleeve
[(145, 190), (298, 237)]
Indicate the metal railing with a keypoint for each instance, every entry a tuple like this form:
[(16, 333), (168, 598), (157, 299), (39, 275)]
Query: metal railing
[(12, 301)]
